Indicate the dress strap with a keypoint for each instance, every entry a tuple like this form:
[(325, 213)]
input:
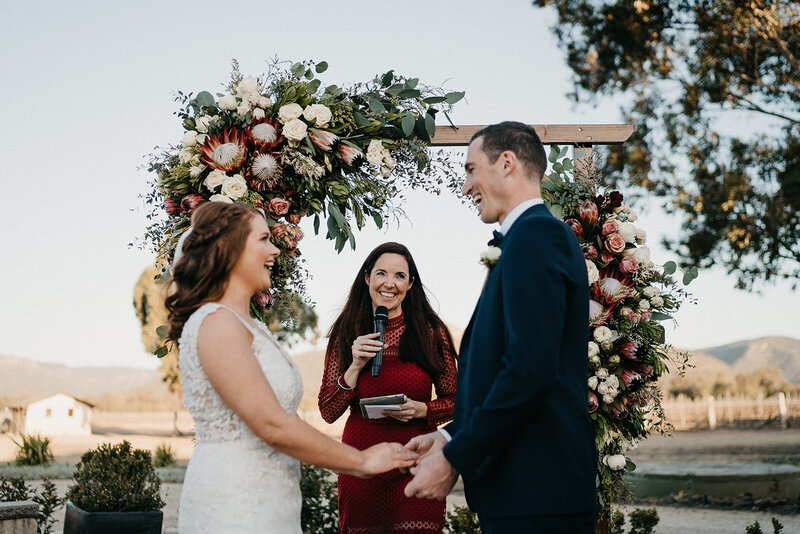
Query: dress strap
[(252, 329), (256, 331)]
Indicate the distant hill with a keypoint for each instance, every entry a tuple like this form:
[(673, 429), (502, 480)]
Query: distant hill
[(120, 388)]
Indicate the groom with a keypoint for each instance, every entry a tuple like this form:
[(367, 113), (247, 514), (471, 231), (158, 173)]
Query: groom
[(521, 437)]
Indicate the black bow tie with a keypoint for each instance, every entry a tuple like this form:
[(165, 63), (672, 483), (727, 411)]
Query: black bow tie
[(496, 238)]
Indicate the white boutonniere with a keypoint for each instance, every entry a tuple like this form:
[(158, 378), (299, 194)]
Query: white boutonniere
[(490, 256)]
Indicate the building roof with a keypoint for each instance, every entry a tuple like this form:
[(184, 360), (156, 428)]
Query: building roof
[(25, 402)]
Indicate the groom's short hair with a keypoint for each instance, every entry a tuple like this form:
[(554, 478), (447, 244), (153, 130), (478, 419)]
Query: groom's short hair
[(517, 137)]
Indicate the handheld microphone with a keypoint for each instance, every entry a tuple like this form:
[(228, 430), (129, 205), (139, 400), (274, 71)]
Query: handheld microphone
[(381, 319)]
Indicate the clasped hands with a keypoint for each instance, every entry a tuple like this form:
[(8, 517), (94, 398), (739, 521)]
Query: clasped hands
[(434, 477)]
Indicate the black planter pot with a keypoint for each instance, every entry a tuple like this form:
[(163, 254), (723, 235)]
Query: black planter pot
[(78, 521)]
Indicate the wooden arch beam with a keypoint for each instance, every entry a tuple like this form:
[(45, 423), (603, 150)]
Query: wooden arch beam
[(550, 134)]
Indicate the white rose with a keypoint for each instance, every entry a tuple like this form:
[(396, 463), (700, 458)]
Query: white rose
[(243, 108), (657, 301), (289, 112), (612, 392), (602, 388), (295, 130), (388, 161), (196, 170), (594, 349), (227, 102), (592, 272), (612, 382), (385, 171), (592, 382), (602, 373), (627, 231), (375, 152), (264, 102), (201, 139), (201, 123), (633, 216), (615, 462), (248, 86), (644, 305), (608, 399), (491, 254), (319, 113), (641, 236), (650, 291), (602, 333), (190, 139), (214, 179), (220, 198), (185, 155), (259, 114), (234, 186), (642, 255)]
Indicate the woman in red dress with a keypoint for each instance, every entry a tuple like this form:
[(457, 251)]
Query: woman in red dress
[(418, 354)]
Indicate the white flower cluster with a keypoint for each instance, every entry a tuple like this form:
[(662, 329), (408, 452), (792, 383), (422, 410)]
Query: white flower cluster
[(233, 187), (302, 164), (246, 98), (615, 462), (606, 384), (380, 157), (294, 128), (490, 256), (652, 298), (629, 232), (592, 271)]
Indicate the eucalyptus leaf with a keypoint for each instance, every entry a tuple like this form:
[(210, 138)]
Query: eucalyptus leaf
[(334, 210), (361, 119), (579, 153), (408, 124), (308, 74), (452, 98), (333, 230), (557, 211), (412, 83), (434, 99), (341, 239), (352, 238), (421, 129), (161, 351), (548, 185), (689, 275), (376, 105), (313, 85), (387, 78), (557, 167), (553, 157), (204, 98), (378, 219), (670, 267), (321, 67), (409, 93), (316, 224), (430, 125), (659, 316), (630, 467), (396, 88), (563, 151), (298, 69), (162, 331)]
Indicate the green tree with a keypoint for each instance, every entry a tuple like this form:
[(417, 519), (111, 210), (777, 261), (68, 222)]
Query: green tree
[(692, 72)]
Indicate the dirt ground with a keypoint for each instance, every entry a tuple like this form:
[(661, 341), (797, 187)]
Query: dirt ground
[(148, 431)]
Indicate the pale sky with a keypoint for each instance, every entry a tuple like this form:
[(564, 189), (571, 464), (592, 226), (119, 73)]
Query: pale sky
[(86, 91)]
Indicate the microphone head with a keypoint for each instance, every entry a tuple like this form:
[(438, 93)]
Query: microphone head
[(381, 313)]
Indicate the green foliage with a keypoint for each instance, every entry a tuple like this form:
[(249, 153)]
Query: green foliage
[(164, 457), (755, 527), (15, 489), (116, 478), (695, 73), (617, 522), (643, 520), (34, 450), (461, 520), (320, 512)]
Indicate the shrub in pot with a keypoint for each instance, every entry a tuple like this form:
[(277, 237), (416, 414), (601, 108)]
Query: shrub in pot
[(116, 490)]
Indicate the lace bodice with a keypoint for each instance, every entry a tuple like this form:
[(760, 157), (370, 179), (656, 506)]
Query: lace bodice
[(214, 421)]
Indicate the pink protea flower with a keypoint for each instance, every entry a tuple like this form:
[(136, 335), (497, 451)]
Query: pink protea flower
[(598, 314), (589, 213), (619, 410), (631, 379), (171, 206), (628, 265), (190, 202), (278, 206), (611, 290), (589, 250), (263, 300), (349, 154), (594, 403), (576, 227), (631, 350), (611, 226), (322, 139), (265, 134), (646, 370), (224, 152)]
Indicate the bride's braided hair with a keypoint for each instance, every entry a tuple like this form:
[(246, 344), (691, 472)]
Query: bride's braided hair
[(210, 251)]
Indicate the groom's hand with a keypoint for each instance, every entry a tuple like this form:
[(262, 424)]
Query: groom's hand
[(434, 478), (425, 444)]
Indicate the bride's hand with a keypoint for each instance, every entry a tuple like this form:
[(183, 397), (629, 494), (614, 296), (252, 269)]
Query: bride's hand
[(385, 457)]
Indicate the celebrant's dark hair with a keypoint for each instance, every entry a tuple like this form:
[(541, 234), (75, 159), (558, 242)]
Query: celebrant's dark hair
[(210, 251), (517, 137), (425, 338)]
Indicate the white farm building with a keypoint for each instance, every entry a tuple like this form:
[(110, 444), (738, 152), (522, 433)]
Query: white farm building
[(55, 415)]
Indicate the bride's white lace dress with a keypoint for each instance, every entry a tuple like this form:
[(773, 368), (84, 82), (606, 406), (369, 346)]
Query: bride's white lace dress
[(235, 482)]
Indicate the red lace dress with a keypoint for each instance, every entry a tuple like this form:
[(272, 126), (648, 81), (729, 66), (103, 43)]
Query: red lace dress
[(378, 505)]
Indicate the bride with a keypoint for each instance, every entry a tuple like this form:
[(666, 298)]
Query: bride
[(242, 388)]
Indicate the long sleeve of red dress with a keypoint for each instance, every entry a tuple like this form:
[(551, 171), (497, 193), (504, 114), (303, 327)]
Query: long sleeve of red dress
[(333, 400), (440, 410)]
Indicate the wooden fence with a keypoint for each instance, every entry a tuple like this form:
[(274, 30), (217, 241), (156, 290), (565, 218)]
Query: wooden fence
[(780, 410)]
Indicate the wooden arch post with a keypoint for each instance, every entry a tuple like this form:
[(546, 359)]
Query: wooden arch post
[(583, 136)]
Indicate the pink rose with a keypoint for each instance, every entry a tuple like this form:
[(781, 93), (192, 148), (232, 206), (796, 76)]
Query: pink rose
[(575, 224), (294, 218), (646, 316), (278, 206), (628, 265), (589, 213), (611, 226), (589, 250), (594, 403), (606, 257), (172, 206), (263, 300), (278, 231), (614, 243), (190, 202)]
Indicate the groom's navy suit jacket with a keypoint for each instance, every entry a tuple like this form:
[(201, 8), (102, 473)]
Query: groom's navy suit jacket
[(522, 438)]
